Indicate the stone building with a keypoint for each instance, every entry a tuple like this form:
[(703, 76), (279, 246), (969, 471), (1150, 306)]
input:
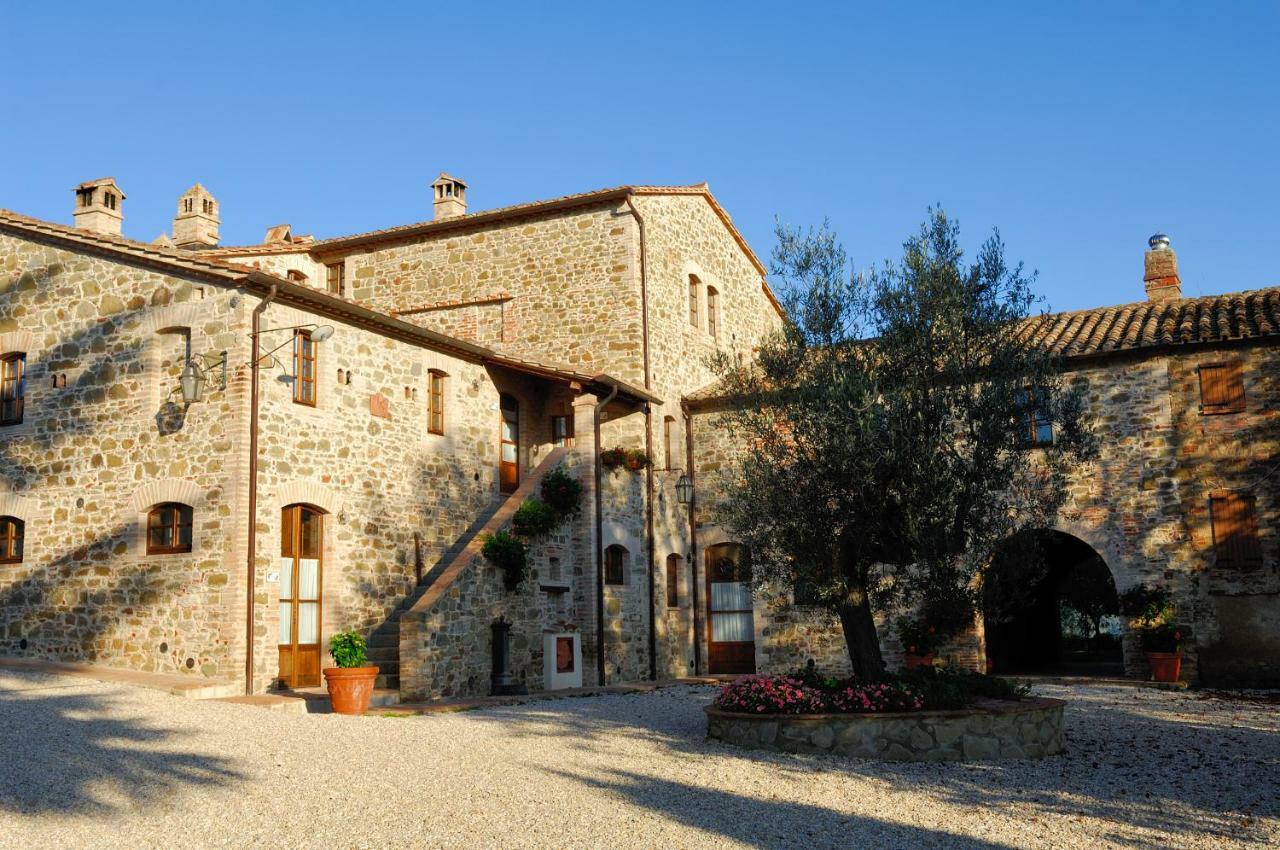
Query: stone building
[(167, 507)]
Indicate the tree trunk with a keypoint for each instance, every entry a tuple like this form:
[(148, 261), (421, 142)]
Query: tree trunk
[(860, 634)]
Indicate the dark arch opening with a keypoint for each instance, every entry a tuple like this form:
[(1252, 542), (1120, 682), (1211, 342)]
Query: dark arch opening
[(1050, 606)]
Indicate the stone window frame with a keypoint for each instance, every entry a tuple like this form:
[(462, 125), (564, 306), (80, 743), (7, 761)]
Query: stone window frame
[(160, 324), (153, 494), (674, 567), (13, 533), (27, 511), (428, 362), (277, 376), (694, 275), (28, 345), (437, 409), (623, 565), (338, 270)]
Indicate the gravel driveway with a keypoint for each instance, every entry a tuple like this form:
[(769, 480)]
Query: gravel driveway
[(84, 764)]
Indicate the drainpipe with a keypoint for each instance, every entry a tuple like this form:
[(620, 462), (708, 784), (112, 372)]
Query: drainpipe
[(599, 472), (252, 558), (693, 540), (648, 440)]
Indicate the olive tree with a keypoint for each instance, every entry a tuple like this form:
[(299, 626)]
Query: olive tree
[(896, 429)]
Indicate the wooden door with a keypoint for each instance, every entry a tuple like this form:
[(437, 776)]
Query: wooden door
[(509, 445), (301, 548), (731, 644)]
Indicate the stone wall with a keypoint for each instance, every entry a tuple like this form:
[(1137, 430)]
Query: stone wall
[(103, 440), (988, 731), (570, 275), (1142, 506)]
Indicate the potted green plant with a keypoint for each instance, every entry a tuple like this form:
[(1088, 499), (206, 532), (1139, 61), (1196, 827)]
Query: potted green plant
[(919, 642), (1151, 615), (351, 682)]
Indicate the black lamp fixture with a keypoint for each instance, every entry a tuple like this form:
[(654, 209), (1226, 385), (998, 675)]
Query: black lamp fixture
[(684, 489)]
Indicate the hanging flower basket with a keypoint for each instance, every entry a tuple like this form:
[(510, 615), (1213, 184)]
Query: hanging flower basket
[(632, 459)]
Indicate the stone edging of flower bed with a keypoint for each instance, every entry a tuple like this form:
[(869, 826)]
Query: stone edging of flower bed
[(987, 730)]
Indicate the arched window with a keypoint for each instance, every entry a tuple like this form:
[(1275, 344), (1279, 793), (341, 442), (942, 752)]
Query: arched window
[(296, 276), (11, 529), (615, 564), (713, 311), (693, 300), (13, 370), (674, 562), (169, 529)]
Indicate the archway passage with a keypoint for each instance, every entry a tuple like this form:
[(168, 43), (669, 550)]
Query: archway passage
[(1050, 606)]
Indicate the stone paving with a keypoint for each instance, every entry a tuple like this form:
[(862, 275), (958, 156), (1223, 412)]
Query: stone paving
[(90, 764)]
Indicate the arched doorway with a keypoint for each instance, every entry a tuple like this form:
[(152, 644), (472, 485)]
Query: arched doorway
[(1050, 606), (301, 579)]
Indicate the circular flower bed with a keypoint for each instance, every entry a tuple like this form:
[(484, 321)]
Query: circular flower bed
[(927, 715)]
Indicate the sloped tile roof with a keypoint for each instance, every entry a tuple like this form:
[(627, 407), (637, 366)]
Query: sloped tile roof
[(323, 303), (1147, 324), (1142, 325)]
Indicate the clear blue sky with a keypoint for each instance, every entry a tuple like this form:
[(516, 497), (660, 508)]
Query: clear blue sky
[(1077, 129)]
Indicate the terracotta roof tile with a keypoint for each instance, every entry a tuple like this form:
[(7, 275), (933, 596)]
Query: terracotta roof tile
[(1186, 321)]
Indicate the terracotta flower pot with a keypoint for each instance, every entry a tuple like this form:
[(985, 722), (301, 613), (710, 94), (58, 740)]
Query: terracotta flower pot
[(350, 688), (1165, 666), (911, 660)]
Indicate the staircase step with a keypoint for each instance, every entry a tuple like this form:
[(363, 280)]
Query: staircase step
[(384, 638), (388, 681)]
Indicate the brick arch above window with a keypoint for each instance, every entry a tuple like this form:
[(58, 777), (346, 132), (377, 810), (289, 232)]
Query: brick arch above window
[(176, 317), (18, 506), (19, 341), (166, 490), (301, 492)]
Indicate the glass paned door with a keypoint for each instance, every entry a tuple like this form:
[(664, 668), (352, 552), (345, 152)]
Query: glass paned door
[(509, 447), (731, 644), (301, 546)]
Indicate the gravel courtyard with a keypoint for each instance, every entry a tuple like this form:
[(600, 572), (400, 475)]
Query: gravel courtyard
[(84, 764)]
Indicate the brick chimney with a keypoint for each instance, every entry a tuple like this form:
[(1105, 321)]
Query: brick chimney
[(1161, 277), (196, 224), (98, 206), (450, 197)]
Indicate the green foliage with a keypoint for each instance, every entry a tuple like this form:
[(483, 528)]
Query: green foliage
[(884, 423), (348, 649), (1151, 611), (918, 636), (951, 687), (563, 493), (508, 554), (1164, 637), (533, 518), (1146, 604)]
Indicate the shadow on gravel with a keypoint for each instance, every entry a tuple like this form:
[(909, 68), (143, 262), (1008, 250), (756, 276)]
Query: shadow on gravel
[(63, 753), (767, 823), (1140, 760)]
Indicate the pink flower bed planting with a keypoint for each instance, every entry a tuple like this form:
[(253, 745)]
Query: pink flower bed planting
[(762, 694)]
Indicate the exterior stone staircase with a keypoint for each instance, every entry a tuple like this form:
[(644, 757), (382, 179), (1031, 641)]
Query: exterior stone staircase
[(384, 642)]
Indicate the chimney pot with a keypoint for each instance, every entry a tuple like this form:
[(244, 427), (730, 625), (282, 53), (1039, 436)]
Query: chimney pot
[(1161, 270), (99, 206), (450, 195), (196, 224)]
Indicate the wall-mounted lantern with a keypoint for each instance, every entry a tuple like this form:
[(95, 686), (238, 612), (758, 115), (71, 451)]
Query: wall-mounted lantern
[(684, 490)]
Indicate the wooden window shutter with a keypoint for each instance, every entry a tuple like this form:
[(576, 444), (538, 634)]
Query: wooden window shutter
[(1221, 388), (1235, 530)]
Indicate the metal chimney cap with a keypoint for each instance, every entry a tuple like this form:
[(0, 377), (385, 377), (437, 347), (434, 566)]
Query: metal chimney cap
[(1159, 242)]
